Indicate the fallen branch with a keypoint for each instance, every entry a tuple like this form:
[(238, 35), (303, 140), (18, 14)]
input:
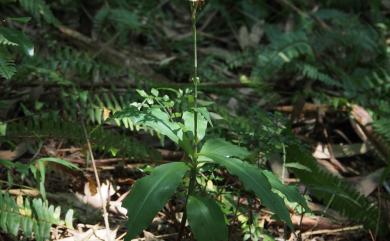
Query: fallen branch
[(332, 231)]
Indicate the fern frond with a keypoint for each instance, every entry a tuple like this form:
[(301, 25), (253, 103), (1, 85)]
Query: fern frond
[(108, 141), (340, 195), (34, 218), (100, 18), (313, 73), (323, 185), (120, 18), (284, 49), (124, 18), (98, 104), (7, 67), (383, 128), (347, 36), (38, 8), (5, 41), (70, 59)]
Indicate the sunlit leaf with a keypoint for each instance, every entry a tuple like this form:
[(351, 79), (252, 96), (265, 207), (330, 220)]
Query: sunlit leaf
[(188, 118), (290, 192), (15, 36), (221, 147)]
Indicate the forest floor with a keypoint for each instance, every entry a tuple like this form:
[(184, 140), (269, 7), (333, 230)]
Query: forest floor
[(341, 140), (344, 154)]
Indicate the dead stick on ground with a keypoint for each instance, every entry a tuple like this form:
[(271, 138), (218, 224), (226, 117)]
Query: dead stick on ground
[(332, 231), (105, 214)]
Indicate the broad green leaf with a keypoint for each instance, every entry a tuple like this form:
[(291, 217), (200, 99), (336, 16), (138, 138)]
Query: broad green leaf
[(188, 118), (3, 128), (221, 147), (205, 113), (150, 194), (160, 122), (187, 143), (254, 180), (290, 192), (206, 219)]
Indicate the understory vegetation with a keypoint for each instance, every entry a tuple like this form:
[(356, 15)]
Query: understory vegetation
[(194, 120)]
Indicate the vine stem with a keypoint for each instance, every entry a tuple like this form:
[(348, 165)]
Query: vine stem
[(195, 80)]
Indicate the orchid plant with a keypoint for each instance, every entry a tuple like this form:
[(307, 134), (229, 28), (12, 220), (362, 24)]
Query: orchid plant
[(187, 129)]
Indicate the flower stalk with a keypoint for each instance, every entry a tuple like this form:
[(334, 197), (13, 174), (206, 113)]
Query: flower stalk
[(195, 5)]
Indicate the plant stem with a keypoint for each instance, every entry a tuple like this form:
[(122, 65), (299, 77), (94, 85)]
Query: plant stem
[(191, 187), (195, 80)]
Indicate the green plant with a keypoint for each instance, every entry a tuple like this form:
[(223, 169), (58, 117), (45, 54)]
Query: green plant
[(104, 140), (33, 217), (337, 193), (187, 129), (37, 169), (13, 42)]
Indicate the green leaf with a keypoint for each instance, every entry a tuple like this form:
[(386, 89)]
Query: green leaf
[(149, 195), (221, 147), (62, 162), (153, 118), (19, 19), (38, 8), (206, 219), (188, 118), (42, 171), (19, 38), (7, 68), (3, 128), (7, 164), (186, 143), (254, 180), (297, 165), (205, 113), (290, 192), (125, 18), (5, 41), (69, 219), (154, 92)]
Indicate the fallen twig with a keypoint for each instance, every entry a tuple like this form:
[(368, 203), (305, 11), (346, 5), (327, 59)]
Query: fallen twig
[(331, 231), (362, 122), (105, 213)]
